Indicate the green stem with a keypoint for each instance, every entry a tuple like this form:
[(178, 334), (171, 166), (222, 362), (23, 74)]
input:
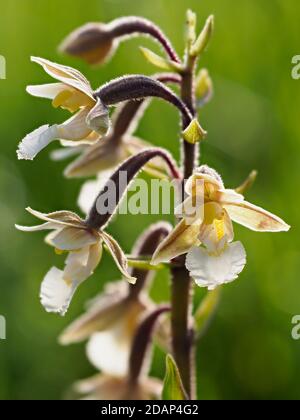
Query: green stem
[(144, 265), (182, 327), (182, 335)]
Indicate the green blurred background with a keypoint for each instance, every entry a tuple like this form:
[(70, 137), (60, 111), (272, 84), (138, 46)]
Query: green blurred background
[(253, 122)]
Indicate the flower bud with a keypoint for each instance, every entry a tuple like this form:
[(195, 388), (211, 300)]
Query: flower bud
[(201, 43), (92, 42), (204, 87)]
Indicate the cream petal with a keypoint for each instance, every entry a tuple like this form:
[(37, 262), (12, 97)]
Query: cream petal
[(66, 153), (107, 388), (67, 75), (191, 209), (90, 191), (76, 127), (76, 144), (255, 218), (212, 182), (99, 318), (109, 351), (98, 119), (227, 196), (86, 386), (179, 242), (213, 270), (71, 238), (102, 387), (102, 156), (106, 356), (61, 218), (229, 232), (81, 264), (45, 226), (56, 294), (118, 256), (48, 91), (36, 141)]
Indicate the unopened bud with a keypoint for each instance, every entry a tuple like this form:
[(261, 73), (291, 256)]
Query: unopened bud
[(204, 38), (92, 42), (204, 87)]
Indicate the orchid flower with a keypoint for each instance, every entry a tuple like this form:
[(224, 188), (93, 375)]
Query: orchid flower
[(219, 260), (109, 324), (112, 319), (73, 93), (122, 378), (84, 246)]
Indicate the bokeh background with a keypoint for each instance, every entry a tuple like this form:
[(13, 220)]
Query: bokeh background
[(253, 122)]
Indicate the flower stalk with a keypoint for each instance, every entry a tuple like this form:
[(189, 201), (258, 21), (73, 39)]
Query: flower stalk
[(146, 246), (131, 168), (141, 344), (181, 319), (136, 25), (138, 87)]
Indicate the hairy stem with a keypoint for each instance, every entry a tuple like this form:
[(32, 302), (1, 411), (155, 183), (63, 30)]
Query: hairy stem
[(137, 87), (141, 344), (127, 117), (190, 154), (147, 245), (182, 329), (131, 167), (182, 335), (134, 25)]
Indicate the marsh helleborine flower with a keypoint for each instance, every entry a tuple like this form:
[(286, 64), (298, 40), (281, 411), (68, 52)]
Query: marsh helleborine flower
[(109, 325), (112, 319), (73, 93), (84, 246), (135, 383), (219, 261)]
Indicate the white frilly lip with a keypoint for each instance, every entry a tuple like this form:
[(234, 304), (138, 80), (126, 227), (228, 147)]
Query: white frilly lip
[(59, 287), (36, 141), (56, 294), (210, 270), (109, 351)]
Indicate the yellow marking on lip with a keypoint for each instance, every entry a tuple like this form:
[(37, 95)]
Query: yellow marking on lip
[(220, 228), (61, 98), (72, 100)]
